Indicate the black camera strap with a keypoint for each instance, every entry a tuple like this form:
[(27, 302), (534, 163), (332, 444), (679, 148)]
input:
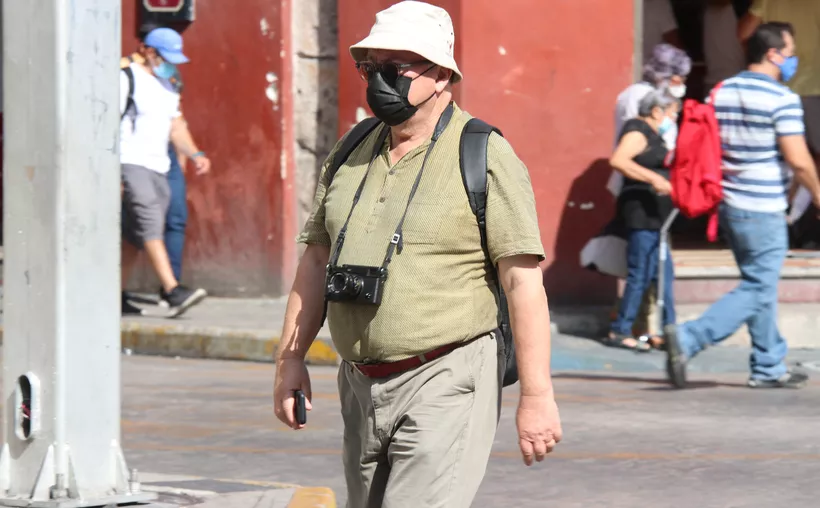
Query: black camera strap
[(396, 240), (340, 240)]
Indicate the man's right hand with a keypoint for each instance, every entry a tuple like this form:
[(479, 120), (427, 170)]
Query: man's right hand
[(291, 375)]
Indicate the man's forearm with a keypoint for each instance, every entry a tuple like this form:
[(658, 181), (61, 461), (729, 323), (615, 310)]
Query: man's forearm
[(807, 177), (182, 139), (529, 314), (305, 304)]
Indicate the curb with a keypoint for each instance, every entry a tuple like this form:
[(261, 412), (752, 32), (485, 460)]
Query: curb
[(212, 343), (798, 322), (215, 343), (313, 497), (210, 493), (569, 353)]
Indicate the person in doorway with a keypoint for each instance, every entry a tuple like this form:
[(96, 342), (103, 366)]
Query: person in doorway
[(659, 27), (428, 351), (150, 118), (803, 79), (722, 51), (762, 133), (643, 206), (176, 219)]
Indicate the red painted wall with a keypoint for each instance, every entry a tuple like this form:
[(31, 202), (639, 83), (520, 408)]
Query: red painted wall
[(242, 215), (548, 77)]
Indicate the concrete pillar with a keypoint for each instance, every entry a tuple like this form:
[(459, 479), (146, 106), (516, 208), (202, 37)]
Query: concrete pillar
[(61, 364)]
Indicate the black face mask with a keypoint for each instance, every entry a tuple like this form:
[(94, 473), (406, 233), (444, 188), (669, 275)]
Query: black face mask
[(391, 104)]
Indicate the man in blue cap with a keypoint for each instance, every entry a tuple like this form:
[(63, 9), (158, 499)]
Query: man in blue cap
[(149, 104), (177, 217)]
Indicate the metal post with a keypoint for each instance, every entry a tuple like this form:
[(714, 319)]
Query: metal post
[(663, 255), (61, 364)]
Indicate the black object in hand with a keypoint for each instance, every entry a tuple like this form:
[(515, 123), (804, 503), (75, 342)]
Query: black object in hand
[(299, 408)]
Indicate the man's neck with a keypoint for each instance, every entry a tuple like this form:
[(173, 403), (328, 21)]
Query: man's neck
[(145, 66), (768, 70), (420, 127)]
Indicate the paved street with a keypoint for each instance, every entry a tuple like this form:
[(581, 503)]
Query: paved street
[(630, 442)]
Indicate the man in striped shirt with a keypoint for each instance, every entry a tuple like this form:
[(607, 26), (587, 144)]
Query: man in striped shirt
[(763, 140)]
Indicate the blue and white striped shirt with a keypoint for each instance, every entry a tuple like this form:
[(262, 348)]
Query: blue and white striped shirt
[(753, 111)]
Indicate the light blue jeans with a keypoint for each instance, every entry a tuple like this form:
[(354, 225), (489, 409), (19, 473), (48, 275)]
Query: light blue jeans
[(642, 258), (759, 242)]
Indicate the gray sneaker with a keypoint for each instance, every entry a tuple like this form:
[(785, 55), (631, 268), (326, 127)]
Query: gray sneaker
[(787, 380), (180, 299)]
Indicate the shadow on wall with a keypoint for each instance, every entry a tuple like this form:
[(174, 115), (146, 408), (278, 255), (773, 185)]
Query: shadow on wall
[(566, 282)]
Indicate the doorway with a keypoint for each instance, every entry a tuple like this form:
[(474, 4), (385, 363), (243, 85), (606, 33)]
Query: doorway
[(706, 30)]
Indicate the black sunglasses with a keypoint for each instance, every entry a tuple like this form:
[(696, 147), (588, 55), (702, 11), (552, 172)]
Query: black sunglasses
[(390, 71)]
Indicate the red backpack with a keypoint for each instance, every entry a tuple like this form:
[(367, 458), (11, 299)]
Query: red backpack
[(696, 171)]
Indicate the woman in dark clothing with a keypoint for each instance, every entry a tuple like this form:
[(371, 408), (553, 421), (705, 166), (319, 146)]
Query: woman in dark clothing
[(643, 205)]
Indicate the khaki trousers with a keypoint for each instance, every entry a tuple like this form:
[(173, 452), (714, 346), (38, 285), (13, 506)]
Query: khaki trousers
[(421, 438)]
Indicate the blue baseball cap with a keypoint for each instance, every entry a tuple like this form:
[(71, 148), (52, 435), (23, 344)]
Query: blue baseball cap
[(168, 44)]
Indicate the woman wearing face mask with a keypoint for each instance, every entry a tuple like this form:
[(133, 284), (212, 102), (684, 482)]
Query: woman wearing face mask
[(665, 71), (643, 205)]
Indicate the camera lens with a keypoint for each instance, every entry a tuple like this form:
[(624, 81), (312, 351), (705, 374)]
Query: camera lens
[(338, 282), (344, 283)]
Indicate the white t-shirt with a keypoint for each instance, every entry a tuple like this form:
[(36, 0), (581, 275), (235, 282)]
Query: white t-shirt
[(626, 106), (144, 139), (658, 18)]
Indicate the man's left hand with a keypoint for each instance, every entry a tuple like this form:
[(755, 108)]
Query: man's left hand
[(202, 163), (539, 426)]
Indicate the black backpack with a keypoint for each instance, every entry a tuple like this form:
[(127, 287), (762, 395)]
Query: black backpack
[(130, 105), (473, 163)]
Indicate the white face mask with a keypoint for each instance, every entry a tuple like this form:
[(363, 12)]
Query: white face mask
[(677, 91)]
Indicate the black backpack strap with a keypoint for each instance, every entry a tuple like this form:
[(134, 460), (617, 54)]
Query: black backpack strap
[(473, 161), (130, 105), (354, 138)]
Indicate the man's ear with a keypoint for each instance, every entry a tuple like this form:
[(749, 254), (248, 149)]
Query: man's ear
[(444, 78), (772, 54)]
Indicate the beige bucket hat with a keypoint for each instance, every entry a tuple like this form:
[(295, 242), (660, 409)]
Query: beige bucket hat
[(419, 27)]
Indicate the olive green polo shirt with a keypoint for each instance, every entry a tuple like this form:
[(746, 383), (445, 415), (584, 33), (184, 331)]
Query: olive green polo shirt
[(438, 289)]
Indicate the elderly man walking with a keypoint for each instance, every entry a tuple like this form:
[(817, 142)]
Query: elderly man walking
[(419, 385)]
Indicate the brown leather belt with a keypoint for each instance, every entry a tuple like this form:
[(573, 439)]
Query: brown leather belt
[(381, 370)]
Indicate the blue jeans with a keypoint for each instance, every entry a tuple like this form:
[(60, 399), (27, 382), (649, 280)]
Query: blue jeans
[(759, 242), (642, 264), (177, 217)]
